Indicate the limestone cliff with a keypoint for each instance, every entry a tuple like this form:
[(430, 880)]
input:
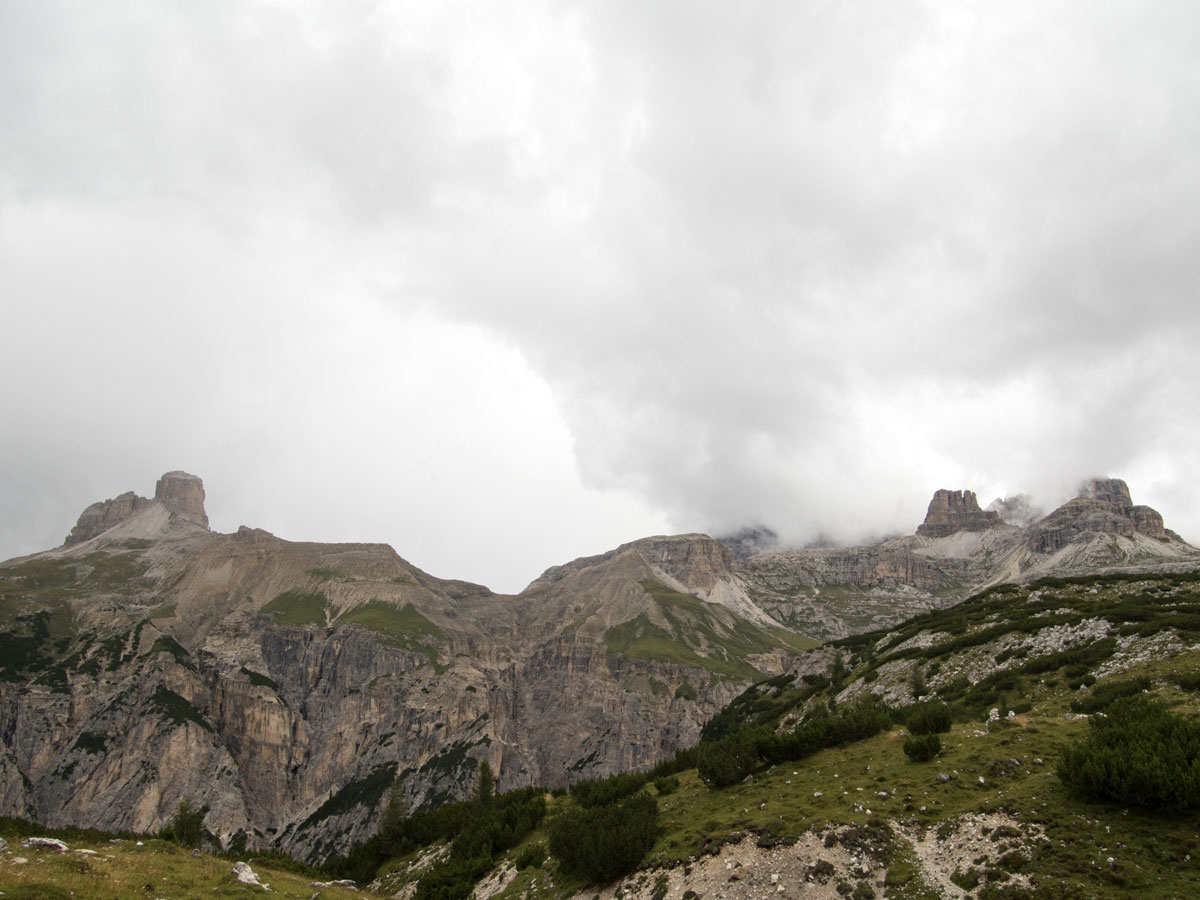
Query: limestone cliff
[(286, 685), (177, 492), (959, 549), (951, 511)]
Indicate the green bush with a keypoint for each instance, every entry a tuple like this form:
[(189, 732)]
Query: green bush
[(925, 718), (186, 826), (602, 791), (1138, 754), (668, 784), (606, 842), (1106, 692), (922, 747)]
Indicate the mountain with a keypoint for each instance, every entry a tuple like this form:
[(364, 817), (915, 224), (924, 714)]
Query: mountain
[(285, 686), (831, 592)]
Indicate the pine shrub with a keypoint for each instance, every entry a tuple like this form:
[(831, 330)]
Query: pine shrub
[(1138, 754), (922, 747)]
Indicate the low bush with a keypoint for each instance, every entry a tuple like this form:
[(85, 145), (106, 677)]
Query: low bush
[(922, 747), (606, 842), (924, 718), (1138, 754)]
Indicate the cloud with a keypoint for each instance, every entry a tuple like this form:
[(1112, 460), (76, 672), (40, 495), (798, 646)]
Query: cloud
[(674, 266)]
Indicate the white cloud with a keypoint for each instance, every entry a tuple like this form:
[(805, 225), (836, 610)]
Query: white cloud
[(544, 278)]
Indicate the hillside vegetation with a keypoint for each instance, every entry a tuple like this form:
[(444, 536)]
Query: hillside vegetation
[(1039, 741)]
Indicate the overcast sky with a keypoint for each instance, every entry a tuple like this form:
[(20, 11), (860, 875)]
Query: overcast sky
[(503, 284)]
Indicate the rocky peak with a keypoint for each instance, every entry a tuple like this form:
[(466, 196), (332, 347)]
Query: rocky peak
[(1104, 506), (101, 516), (1017, 510), (953, 511), (179, 492), (182, 494), (1109, 490)]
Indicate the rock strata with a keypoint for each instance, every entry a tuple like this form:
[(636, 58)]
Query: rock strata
[(182, 494), (99, 517), (1104, 506), (953, 511)]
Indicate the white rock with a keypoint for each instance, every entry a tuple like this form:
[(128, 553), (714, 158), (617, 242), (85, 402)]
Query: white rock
[(49, 843), (245, 875)]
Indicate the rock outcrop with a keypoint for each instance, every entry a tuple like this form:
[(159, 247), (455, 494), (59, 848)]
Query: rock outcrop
[(180, 493), (1017, 510), (100, 517), (1104, 506), (953, 511)]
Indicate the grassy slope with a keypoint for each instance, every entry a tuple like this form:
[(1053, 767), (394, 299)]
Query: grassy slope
[(156, 869), (1156, 625), (698, 635), (1152, 856)]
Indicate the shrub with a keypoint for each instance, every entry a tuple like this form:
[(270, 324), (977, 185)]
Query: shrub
[(926, 718), (922, 747), (1106, 692), (186, 826), (1139, 754), (668, 784), (602, 791), (606, 842)]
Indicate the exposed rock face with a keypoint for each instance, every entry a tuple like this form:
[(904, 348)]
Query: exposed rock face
[(1017, 510), (99, 517), (1104, 506), (284, 685), (182, 494), (751, 541), (951, 511), (834, 592)]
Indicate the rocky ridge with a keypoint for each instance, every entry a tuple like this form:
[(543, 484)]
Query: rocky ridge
[(285, 685)]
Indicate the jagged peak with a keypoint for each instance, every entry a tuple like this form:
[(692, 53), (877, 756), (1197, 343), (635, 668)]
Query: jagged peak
[(178, 492), (952, 511)]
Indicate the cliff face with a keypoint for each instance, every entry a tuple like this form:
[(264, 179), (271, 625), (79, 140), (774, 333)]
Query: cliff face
[(957, 550), (952, 511), (177, 492), (286, 685)]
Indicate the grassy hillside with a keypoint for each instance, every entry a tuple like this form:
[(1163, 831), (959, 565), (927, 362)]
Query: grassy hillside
[(824, 801), (98, 866)]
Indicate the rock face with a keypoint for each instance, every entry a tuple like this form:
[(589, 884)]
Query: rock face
[(951, 511), (99, 517), (179, 492), (1017, 510), (834, 592), (182, 494), (286, 685), (1104, 506)]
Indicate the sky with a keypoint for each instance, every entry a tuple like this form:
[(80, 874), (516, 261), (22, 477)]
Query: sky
[(505, 284)]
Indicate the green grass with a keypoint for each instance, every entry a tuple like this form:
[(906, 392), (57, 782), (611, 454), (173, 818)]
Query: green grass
[(156, 869), (366, 792), (403, 627), (297, 608), (176, 709), (698, 635)]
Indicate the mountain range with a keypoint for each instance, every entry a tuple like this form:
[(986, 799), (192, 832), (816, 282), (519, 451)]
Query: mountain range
[(284, 686)]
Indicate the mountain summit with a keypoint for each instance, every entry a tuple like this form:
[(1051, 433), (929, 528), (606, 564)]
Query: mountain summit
[(284, 686)]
